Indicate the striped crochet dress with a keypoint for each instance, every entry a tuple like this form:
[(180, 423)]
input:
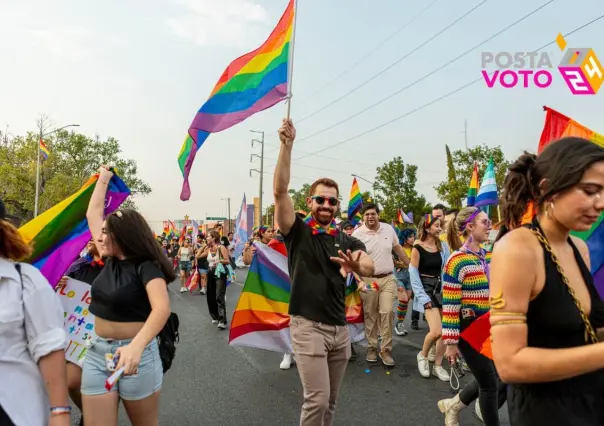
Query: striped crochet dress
[(465, 285)]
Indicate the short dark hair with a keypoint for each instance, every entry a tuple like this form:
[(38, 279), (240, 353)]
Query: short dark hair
[(330, 183), (132, 234), (230, 233), (452, 211), (440, 207), (370, 206)]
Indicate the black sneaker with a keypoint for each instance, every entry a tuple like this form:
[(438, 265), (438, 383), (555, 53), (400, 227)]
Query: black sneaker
[(414, 325), (353, 354), (222, 325)]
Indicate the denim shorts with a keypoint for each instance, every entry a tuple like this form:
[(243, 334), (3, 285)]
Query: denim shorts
[(403, 278), (202, 271), (185, 265), (139, 386)]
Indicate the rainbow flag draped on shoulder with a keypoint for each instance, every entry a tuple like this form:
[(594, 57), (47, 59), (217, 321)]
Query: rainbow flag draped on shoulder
[(250, 84), (60, 233), (261, 319)]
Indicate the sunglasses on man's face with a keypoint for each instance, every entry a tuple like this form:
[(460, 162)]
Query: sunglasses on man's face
[(321, 200)]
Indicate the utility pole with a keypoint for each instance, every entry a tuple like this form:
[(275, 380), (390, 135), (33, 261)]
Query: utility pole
[(261, 171), (465, 132)]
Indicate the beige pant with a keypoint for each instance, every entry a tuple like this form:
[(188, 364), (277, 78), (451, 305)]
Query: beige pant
[(322, 353), (377, 311)]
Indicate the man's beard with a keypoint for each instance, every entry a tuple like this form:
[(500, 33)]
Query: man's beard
[(321, 219)]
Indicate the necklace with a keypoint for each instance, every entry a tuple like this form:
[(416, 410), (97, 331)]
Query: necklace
[(317, 229)]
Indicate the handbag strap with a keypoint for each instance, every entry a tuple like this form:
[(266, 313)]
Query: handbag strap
[(590, 334)]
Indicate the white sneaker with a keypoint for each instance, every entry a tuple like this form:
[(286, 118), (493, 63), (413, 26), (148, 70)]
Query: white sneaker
[(432, 353), (423, 365), (183, 290), (221, 326), (441, 373), (202, 291), (286, 363), (214, 321)]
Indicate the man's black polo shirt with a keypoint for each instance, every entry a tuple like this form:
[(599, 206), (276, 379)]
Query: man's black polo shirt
[(318, 289)]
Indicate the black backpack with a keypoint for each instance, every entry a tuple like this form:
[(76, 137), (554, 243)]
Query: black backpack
[(167, 339)]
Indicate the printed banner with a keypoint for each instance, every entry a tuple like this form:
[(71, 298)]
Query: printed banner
[(79, 322)]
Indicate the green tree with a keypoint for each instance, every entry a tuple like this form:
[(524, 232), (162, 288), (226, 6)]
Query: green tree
[(299, 196), (394, 188), (463, 164), (452, 200), (73, 159)]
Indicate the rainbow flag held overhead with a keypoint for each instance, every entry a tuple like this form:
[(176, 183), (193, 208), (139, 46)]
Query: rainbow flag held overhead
[(261, 318), (60, 233), (44, 151), (557, 126), (250, 84), (355, 204), (473, 189), (487, 195)]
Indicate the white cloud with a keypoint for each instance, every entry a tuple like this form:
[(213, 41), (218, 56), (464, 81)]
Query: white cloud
[(71, 42), (230, 23)]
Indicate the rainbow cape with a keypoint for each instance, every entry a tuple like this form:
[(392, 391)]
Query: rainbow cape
[(261, 319), (355, 204), (473, 189), (60, 233), (250, 84)]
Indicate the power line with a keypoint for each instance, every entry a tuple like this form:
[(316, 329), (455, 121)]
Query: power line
[(393, 64), (459, 89), (425, 76), (371, 52)]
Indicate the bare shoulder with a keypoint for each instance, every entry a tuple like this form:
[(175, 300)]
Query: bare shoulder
[(519, 243), (583, 249)]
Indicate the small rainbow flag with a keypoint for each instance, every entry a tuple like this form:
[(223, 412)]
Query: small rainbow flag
[(261, 319), (60, 233), (250, 84), (355, 204), (44, 151), (473, 189), (373, 286)]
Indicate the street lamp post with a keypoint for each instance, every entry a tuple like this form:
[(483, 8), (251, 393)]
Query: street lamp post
[(42, 135), (228, 200)]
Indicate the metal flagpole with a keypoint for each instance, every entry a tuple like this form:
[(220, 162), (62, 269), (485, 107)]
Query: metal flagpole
[(290, 65), (37, 177)]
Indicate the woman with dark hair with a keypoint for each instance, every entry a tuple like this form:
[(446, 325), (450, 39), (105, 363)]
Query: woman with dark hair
[(406, 238), (428, 258), (217, 256), (131, 306), (547, 317), (201, 263), (33, 388), (186, 255)]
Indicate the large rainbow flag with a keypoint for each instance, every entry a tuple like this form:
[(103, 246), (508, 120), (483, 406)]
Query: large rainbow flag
[(60, 233), (261, 319), (557, 126), (355, 204), (250, 84), (473, 189)]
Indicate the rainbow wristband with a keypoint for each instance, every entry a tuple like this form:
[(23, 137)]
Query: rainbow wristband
[(55, 411)]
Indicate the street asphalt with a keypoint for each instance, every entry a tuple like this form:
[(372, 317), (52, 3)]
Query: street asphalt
[(214, 384)]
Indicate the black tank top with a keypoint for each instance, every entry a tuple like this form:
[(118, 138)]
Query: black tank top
[(554, 322), (429, 263)]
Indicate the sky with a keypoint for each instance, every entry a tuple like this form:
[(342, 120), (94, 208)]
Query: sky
[(139, 70)]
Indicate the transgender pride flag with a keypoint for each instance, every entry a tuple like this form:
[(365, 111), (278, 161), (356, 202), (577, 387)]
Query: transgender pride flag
[(240, 237)]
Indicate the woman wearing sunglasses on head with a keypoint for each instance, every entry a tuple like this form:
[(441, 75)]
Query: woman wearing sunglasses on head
[(131, 306), (465, 299), (547, 317)]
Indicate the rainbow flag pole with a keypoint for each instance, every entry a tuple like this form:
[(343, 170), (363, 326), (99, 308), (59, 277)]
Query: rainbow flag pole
[(251, 83)]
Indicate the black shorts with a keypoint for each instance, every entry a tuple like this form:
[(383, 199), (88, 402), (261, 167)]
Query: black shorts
[(433, 288)]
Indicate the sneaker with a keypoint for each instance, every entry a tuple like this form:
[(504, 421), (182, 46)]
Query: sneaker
[(414, 325), (386, 358), (214, 321), (202, 291), (353, 354), (451, 408), (477, 411), (423, 365), (183, 290), (287, 361), (371, 355), (222, 325), (399, 329), (432, 354), (441, 373)]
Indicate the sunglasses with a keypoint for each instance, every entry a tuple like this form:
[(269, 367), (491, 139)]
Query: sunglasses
[(321, 200)]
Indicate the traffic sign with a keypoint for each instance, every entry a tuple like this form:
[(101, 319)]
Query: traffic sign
[(216, 218)]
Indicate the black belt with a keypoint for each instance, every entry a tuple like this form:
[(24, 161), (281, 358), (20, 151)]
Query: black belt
[(381, 275)]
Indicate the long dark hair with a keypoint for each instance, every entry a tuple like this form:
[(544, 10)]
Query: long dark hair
[(537, 179), (131, 233)]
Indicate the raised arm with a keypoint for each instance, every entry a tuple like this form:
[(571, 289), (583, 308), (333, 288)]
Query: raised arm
[(284, 207), (514, 274), (96, 207)]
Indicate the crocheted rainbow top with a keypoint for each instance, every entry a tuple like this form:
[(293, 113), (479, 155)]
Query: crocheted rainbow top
[(465, 285)]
